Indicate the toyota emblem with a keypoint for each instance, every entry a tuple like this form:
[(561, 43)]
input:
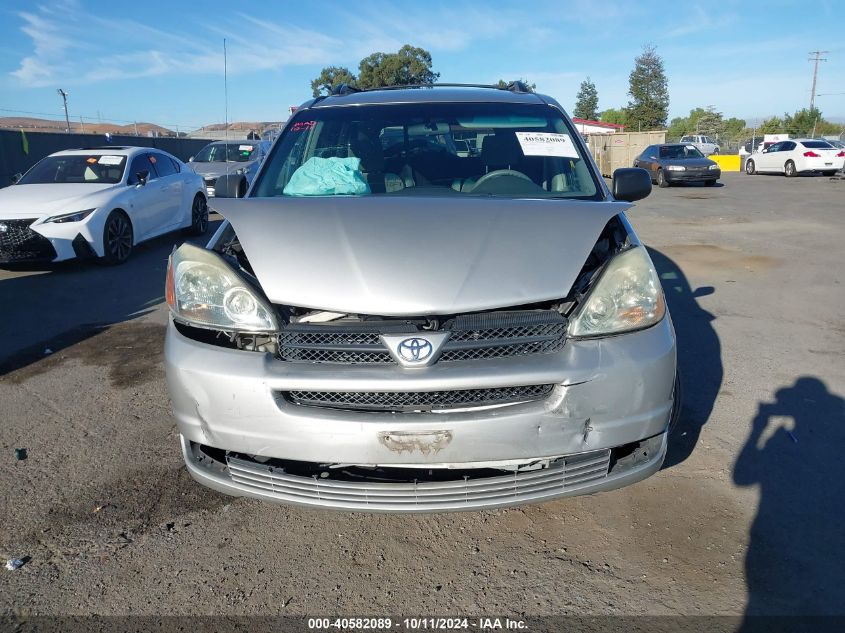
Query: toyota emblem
[(415, 350)]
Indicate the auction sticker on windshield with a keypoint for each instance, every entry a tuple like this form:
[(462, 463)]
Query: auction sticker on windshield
[(110, 160), (546, 144)]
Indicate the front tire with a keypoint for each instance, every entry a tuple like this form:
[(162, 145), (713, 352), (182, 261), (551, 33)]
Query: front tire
[(749, 168), (199, 216), (117, 238), (789, 169), (661, 179)]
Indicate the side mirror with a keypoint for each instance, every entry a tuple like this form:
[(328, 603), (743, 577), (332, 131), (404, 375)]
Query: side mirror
[(16, 177), (142, 176), (631, 183), (229, 186)]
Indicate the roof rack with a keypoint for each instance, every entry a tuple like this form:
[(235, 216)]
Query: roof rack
[(105, 147), (513, 86)]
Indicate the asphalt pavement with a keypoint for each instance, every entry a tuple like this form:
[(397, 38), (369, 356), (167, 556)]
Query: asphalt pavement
[(746, 517)]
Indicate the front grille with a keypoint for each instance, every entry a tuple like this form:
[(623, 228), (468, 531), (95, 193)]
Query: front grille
[(406, 489), (399, 401), (471, 337), (18, 242)]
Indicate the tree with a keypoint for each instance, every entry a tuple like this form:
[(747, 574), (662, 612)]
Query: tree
[(587, 101), (617, 116), (331, 77), (411, 65), (649, 91), (710, 123), (772, 125)]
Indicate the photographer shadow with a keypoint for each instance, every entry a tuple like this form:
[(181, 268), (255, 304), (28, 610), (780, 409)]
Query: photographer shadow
[(794, 564)]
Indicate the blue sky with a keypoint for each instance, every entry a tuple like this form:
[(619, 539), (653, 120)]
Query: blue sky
[(162, 61)]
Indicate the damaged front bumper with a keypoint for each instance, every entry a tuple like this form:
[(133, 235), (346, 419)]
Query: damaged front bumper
[(603, 426)]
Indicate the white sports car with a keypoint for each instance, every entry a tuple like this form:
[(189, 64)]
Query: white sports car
[(98, 202), (797, 156)]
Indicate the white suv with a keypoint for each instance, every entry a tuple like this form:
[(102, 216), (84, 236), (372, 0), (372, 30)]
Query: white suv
[(705, 144)]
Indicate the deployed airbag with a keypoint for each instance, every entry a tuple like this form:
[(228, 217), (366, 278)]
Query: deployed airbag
[(326, 177)]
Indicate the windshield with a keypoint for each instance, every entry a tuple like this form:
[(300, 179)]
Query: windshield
[(226, 152), (454, 149), (675, 152), (76, 168)]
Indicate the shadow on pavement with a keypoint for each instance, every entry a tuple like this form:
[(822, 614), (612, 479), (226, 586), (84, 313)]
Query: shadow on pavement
[(794, 564), (62, 304), (699, 356)]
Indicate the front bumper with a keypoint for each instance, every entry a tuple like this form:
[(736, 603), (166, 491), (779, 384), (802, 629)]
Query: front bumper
[(698, 176), (609, 393), (31, 240)]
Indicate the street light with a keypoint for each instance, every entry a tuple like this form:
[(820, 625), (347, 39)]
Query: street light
[(63, 95)]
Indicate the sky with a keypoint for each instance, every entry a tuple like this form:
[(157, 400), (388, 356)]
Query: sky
[(162, 62)]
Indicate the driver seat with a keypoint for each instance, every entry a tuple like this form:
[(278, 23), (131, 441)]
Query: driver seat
[(498, 151)]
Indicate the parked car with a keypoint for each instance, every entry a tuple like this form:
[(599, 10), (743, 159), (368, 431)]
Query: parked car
[(797, 156), (98, 202), (672, 163), (241, 158), (705, 144), (428, 331)]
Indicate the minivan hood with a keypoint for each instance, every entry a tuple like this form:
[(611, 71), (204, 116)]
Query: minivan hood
[(412, 256)]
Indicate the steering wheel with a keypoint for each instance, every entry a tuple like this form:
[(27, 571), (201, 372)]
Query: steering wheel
[(500, 173)]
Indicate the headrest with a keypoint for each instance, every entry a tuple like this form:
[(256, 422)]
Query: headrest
[(500, 149), (370, 153)]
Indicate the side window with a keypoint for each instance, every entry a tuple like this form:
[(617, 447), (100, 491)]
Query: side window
[(788, 146), (176, 166), (164, 166), (140, 163), (776, 147), (651, 151)]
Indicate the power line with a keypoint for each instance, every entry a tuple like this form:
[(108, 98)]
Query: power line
[(818, 58)]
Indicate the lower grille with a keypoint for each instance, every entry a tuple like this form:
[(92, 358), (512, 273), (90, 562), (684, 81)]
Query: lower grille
[(18, 242), (399, 401), (467, 489)]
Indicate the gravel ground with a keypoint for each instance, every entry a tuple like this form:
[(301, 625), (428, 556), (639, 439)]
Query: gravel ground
[(746, 516)]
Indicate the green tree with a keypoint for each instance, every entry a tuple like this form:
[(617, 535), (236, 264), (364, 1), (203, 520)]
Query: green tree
[(331, 77), (710, 123), (587, 101), (618, 116), (735, 129), (649, 92), (772, 125), (410, 65)]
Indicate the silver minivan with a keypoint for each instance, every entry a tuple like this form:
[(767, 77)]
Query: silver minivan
[(385, 323)]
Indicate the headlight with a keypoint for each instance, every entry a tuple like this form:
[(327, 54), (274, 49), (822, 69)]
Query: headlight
[(626, 297), (203, 290), (76, 216), (675, 168), (713, 167)]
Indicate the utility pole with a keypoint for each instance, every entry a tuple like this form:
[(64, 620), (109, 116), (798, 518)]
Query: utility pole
[(63, 94), (226, 95), (817, 58)]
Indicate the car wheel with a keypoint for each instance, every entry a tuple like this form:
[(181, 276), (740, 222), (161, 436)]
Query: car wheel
[(789, 169), (117, 238), (749, 167), (829, 173), (709, 183), (661, 179), (199, 216)]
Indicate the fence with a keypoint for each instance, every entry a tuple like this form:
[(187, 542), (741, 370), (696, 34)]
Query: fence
[(18, 152)]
